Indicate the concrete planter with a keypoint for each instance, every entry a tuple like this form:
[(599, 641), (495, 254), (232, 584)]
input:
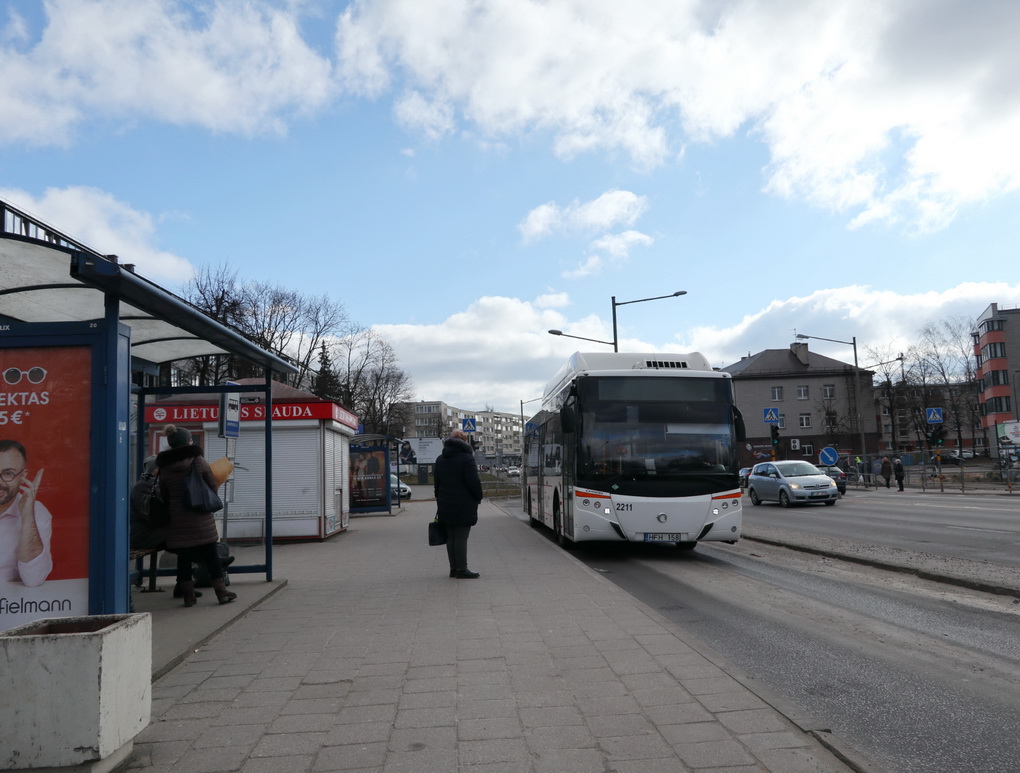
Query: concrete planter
[(74, 692)]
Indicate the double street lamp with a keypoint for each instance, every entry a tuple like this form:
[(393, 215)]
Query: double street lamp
[(857, 392), (615, 343)]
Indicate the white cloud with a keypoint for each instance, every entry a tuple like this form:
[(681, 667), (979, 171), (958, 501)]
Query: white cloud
[(889, 112), (878, 319), (895, 112), (590, 265), (497, 350), (235, 67), (611, 209), (111, 227)]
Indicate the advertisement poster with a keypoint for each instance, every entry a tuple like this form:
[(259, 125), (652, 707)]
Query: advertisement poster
[(44, 483), (369, 471)]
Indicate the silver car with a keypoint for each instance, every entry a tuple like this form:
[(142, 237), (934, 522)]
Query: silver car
[(790, 483)]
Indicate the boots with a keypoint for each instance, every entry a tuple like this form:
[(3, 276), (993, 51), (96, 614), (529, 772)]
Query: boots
[(179, 594), (224, 596), (188, 592)]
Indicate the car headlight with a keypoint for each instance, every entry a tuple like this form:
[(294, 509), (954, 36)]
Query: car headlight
[(795, 485)]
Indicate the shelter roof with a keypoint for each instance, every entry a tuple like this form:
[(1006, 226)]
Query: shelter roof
[(50, 277)]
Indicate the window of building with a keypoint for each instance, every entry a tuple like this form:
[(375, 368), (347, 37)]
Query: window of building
[(804, 420), (997, 405), (807, 449), (992, 324), (782, 420), (996, 378), (777, 393), (993, 351), (802, 392), (828, 391)]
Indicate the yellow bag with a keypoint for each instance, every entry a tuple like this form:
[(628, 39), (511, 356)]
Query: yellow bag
[(221, 470)]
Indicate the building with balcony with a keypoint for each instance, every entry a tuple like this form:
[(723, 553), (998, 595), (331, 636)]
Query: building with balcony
[(997, 354)]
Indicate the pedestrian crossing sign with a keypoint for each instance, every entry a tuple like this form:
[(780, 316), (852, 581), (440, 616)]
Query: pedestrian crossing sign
[(934, 415), (468, 425), (770, 416)]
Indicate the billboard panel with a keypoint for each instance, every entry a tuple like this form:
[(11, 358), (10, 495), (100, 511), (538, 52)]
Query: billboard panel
[(44, 482)]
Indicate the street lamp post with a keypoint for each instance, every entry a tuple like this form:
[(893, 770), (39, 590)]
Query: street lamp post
[(616, 340), (857, 392), (581, 338), (1016, 413), (615, 343)]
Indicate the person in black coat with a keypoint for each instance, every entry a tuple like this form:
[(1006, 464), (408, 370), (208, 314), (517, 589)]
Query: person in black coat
[(458, 494)]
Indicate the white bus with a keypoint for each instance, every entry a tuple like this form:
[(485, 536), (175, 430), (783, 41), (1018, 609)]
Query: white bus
[(637, 448)]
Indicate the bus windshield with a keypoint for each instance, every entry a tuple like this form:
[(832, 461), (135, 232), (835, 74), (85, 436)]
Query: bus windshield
[(664, 429)]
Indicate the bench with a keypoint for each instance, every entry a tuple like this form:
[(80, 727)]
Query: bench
[(138, 556)]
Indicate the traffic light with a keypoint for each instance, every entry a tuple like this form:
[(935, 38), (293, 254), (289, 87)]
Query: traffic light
[(938, 435), (775, 434)]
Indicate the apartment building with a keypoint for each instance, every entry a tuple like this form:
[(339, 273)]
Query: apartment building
[(997, 354), (815, 399), (497, 437)]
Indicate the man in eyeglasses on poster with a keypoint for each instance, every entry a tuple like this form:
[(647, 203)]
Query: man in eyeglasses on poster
[(25, 524)]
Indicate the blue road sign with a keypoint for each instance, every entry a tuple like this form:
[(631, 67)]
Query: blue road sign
[(468, 425), (934, 415), (770, 415), (828, 455)]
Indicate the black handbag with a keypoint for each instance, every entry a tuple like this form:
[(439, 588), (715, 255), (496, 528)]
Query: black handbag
[(197, 494), (437, 532), (154, 508)]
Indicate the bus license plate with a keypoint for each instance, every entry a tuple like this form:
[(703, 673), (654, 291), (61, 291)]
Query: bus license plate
[(663, 537)]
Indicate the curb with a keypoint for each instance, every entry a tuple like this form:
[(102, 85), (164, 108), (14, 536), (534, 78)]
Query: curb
[(924, 574)]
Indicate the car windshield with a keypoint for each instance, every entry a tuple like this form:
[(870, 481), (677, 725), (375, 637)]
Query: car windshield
[(797, 469)]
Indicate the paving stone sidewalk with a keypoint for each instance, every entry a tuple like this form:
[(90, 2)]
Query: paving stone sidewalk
[(370, 658)]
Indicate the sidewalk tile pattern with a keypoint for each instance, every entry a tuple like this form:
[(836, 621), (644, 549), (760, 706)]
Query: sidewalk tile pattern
[(371, 659)]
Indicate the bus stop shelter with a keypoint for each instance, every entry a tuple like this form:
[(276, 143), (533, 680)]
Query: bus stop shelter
[(80, 335)]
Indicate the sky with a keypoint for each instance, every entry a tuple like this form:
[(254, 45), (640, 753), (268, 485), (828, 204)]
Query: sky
[(464, 176)]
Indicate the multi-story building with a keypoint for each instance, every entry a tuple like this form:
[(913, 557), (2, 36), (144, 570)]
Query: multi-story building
[(997, 352), (815, 399), (497, 437)]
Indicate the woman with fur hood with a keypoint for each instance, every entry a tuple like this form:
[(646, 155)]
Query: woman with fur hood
[(191, 534)]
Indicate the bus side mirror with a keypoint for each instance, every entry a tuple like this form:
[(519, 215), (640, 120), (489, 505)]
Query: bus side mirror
[(568, 419), (738, 424)]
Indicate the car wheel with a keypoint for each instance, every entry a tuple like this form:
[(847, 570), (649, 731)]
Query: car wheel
[(830, 502), (784, 499), (754, 497)]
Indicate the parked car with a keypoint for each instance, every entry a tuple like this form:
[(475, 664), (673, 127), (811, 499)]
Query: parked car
[(742, 476), (948, 458), (398, 487), (790, 482), (513, 472), (836, 474)]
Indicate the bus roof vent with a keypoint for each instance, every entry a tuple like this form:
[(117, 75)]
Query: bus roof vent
[(657, 364)]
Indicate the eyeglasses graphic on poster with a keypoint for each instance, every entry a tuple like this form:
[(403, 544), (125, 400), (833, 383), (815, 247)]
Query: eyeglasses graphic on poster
[(44, 483)]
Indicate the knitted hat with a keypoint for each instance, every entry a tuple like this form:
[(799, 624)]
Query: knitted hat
[(177, 436), (149, 465)]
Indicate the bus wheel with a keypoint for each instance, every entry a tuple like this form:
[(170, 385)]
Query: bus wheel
[(533, 522), (561, 538), (686, 545)]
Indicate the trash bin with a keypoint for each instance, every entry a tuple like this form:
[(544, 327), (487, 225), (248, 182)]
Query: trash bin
[(74, 691)]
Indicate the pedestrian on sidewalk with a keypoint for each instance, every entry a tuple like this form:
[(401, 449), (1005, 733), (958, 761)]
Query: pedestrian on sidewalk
[(898, 472), (886, 470), (458, 494), (191, 535)]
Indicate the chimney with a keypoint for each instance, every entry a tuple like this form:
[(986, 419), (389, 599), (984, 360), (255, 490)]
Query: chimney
[(800, 351)]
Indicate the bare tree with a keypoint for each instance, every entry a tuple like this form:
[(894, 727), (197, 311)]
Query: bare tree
[(282, 321)]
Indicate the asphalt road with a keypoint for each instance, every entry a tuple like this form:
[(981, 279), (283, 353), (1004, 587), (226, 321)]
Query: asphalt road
[(974, 526), (919, 676)]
